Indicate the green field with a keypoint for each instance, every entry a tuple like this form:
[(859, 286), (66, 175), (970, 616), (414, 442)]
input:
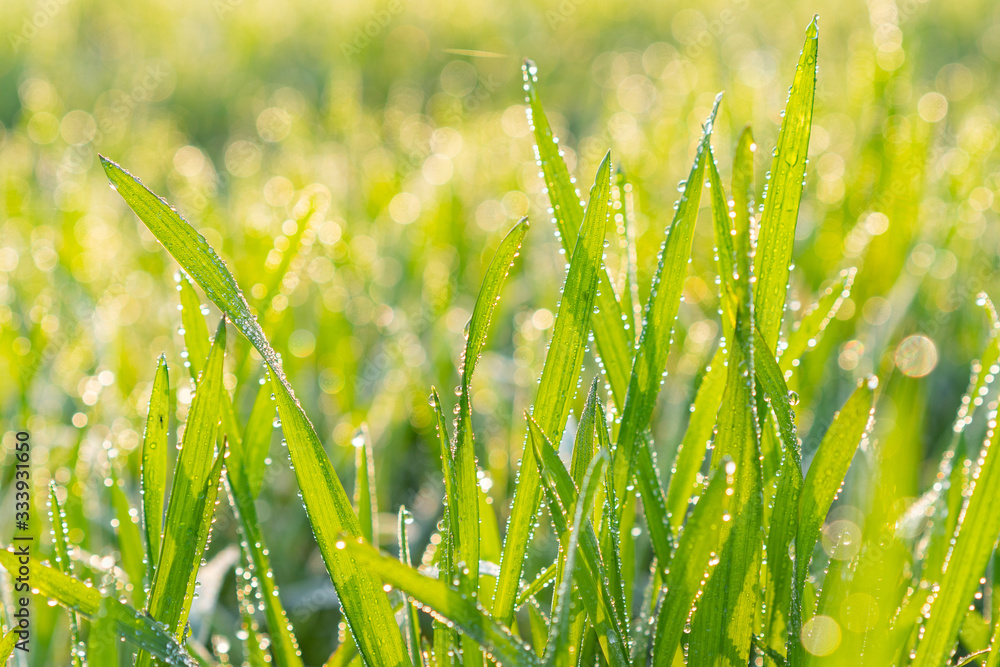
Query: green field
[(675, 318)]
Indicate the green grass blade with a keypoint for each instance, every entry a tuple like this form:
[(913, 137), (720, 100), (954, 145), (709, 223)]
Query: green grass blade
[(807, 331), (410, 621), (284, 646), (558, 382), (660, 313), (365, 499), (465, 503), (257, 438), (497, 640), (366, 607), (783, 194), (994, 657), (684, 483), (978, 527), (129, 537), (819, 489), (192, 500), (7, 645), (592, 580), (154, 460), (561, 649), (60, 543), (133, 626), (445, 637), (687, 568), (723, 626), (613, 342), (195, 328)]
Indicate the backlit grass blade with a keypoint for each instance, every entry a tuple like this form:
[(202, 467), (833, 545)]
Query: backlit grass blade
[(129, 536), (783, 194), (978, 528), (994, 656), (7, 645), (134, 627), (445, 637), (446, 602), (194, 328), (283, 643), (808, 330), (613, 342), (465, 503), (659, 315), (410, 621), (364, 485), (154, 460), (694, 557), (558, 382), (367, 609), (819, 489), (723, 626), (591, 580), (257, 437), (561, 648), (192, 500), (684, 483), (60, 543)]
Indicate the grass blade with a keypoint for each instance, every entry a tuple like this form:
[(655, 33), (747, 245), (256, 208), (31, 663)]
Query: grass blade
[(614, 345), (129, 536), (686, 571), (558, 382), (659, 316), (154, 460), (783, 194), (471, 619), (367, 609), (196, 334), (257, 438), (133, 626), (410, 621), (365, 499), (978, 527), (465, 503), (7, 645), (192, 500), (60, 542), (102, 646), (807, 331)]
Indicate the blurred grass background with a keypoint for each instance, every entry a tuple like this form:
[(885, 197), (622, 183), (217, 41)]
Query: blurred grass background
[(356, 164)]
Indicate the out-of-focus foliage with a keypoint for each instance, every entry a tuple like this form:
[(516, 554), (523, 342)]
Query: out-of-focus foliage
[(358, 164)]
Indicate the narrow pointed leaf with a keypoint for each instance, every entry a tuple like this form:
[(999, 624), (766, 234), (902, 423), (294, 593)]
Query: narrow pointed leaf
[(154, 460)]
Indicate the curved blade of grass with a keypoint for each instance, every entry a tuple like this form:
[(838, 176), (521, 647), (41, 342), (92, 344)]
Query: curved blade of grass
[(557, 385), (687, 569), (723, 626), (154, 460), (465, 503), (497, 640), (659, 316), (614, 345), (808, 330), (129, 537), (365, 499), (367, 609), (192, 501), (257, 438), (133, 626), (783, 194), (196, 334), (60, 542), (410, 621), (283, 643), (7, 645), (591, 581), (978, 528), (819, 489), (561, 649)]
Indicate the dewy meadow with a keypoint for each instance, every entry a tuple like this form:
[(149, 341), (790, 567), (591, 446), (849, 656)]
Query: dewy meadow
[(798, 508)]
